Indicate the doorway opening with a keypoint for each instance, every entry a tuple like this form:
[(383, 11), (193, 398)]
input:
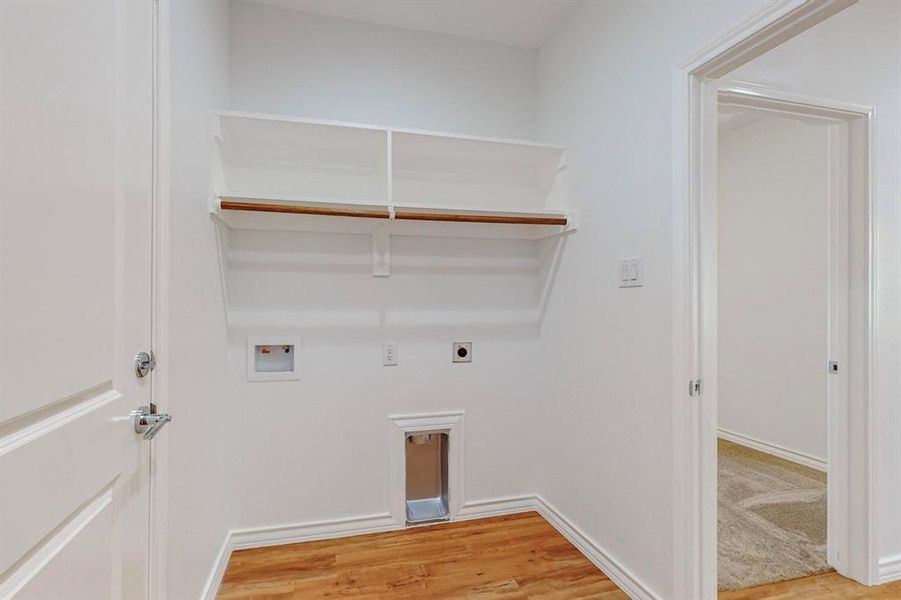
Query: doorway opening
[(800, 326), (782, 297), (851, 478)]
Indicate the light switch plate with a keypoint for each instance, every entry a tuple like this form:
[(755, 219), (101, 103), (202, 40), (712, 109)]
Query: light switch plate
[(630, 272)]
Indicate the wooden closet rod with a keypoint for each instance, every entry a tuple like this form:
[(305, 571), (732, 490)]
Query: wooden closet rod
[(400, 215), (304, 210), (478, 218)]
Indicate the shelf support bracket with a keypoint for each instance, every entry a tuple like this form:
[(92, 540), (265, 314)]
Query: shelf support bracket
[(381, 251)]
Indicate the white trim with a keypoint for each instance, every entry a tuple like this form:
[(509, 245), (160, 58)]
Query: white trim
[(838, 336), (890, 569), (160, 303), (774, 25), (694, 418), (794, 456), (618, 574), (214, 579), (450, 423), (291, 533), (496, 507), (754, 95), (295, 533)]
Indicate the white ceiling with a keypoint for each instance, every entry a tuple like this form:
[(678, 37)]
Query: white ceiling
[(523, 23)]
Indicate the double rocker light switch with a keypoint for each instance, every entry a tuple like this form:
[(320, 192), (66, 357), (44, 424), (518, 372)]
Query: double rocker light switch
[(631, 272)]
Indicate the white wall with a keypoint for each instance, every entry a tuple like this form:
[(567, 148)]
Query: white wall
[(296, 63), (194, 365), (317, 449), (772, 209), (605, 92), (855, 56), (587, 422)]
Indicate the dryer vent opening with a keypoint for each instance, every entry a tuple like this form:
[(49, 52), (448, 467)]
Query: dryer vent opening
[(426, 477)]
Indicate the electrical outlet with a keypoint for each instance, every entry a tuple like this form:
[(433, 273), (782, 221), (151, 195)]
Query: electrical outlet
[(631, 272), (462, 352), (389, 354)]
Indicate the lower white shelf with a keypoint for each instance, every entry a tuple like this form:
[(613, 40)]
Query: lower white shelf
[(384, 221), (340, 217)]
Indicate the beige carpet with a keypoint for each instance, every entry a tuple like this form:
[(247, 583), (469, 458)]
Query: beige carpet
[(771, 521)]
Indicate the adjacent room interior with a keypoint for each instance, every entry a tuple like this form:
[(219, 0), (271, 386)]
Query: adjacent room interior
[(405, 298), (773, 201)]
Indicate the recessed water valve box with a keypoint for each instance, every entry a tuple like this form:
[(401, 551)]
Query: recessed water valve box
[(272, 360)]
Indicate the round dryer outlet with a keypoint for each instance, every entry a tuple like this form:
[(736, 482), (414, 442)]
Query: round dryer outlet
[(462, 352)]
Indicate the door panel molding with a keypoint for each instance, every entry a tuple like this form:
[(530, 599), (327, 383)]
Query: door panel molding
[(34, 565), (28, 428), (52, 474)]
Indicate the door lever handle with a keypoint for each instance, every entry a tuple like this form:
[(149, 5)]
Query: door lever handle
[(149, 423), (156, 422)]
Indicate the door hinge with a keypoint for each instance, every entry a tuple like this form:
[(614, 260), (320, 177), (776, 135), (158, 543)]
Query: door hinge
[(695, 388)]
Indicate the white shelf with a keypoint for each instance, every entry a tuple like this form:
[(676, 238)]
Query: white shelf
[(269, 158), (287, 173), (414, 220), (476, 174)]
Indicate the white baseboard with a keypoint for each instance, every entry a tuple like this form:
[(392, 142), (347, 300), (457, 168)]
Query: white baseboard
[(480, 509), (776, 450), (622, 577), (215, 578), (257, 537), (495, 507), (276, 535), (619, 575), (890, 569)]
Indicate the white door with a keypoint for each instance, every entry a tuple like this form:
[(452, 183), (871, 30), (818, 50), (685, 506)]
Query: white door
[(76, 155)]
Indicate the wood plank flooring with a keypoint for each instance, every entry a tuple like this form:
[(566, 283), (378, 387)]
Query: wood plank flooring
[(828, 586), (514, 556)]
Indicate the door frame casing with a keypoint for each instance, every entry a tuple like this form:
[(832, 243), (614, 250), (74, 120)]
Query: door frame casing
[(694, 302), (160, 257)]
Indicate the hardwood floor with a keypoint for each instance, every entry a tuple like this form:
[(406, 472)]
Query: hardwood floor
[(828, 586), (515, 556)]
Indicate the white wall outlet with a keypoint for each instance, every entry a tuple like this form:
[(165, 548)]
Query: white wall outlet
[(462, 352), (631, 272), (389, 354)]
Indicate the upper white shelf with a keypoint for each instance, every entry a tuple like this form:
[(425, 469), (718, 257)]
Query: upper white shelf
[(437, 170), (269, 162), (267, 157)]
